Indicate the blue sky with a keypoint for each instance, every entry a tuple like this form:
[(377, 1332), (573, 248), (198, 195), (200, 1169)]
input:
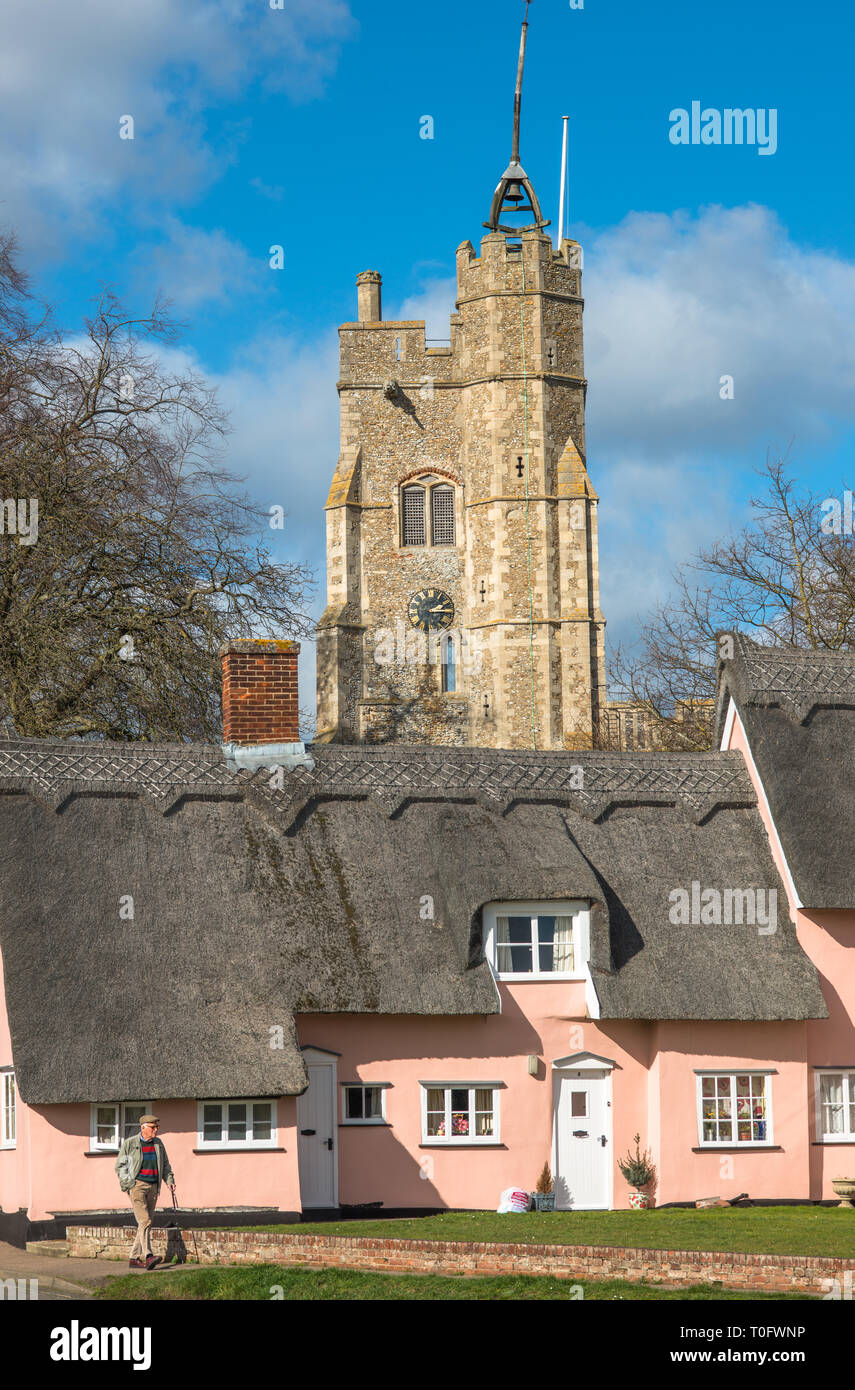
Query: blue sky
[(257, 126)]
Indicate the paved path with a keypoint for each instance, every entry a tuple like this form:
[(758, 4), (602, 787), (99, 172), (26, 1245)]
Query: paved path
[(63, 1276)]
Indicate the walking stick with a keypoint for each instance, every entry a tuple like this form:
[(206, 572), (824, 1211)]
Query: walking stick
[(193, 1233)]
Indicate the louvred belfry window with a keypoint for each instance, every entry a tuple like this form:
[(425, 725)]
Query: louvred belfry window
[(414, 529), (442, 515)]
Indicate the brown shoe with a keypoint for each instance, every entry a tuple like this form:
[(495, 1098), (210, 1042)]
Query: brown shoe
[(136, 1264), (152, 1261)]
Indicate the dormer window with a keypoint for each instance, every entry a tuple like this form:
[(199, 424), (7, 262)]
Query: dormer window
[(427, 508), (537, 941)]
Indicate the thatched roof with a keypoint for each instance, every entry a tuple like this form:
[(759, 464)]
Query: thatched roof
[(798, 709), (253, 904)]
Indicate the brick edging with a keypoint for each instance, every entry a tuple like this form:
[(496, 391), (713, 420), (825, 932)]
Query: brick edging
[(733, 1269)]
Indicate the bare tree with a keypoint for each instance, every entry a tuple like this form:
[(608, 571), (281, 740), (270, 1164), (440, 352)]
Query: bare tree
[(128, 554), (787, 579)]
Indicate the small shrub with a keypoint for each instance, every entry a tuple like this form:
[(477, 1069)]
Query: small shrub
[(544, 1182), (637, 1167)]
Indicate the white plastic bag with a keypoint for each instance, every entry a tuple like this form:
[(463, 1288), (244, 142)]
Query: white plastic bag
[(513, 1199)]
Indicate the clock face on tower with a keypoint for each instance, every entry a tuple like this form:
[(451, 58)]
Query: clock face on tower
[(431, 608)]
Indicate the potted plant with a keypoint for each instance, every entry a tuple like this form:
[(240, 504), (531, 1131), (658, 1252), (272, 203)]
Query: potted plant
[(544, 1196), (639, 1173), (845, 1188)]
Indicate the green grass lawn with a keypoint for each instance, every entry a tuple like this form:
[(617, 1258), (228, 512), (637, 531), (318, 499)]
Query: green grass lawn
[(337, 1285), (750, 1230)]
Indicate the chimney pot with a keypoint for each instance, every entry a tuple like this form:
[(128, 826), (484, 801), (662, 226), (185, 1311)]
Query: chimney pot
[(368, 285)]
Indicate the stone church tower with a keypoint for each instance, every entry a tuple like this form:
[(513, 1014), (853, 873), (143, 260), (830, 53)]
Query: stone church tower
[(462, 572)]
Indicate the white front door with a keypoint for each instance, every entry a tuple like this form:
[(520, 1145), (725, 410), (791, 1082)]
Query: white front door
[(317, 1130), (583, 1140)]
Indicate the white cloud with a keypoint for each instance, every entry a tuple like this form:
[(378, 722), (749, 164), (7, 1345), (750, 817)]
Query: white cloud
[(673, 303), (433, 302), (193, 266), (69, 72)]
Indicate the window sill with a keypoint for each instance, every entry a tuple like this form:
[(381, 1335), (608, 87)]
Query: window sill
[(239, 1149), (832, 1140), (100, 1153), (555, 976), (364, 1124), (739, 1148), (464, 1144)]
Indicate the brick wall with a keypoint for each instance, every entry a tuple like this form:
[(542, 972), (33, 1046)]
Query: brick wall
[(260, 700), (761, 1273)]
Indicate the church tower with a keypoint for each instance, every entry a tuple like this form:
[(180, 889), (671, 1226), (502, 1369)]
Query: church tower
[(462, 571)]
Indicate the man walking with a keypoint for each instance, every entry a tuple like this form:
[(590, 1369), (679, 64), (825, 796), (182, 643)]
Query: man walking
[(142, 1167)]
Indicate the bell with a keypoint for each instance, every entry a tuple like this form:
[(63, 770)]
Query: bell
[(514, 193)]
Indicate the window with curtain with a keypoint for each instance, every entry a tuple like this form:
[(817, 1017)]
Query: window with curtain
[(735, 1109), (535, 944), (363, 1105), (837, 1105), (413, 516), (442, 515), (460, 1114), (115, 1121)]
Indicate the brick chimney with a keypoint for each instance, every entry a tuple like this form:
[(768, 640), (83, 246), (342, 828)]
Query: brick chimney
[(260, 692)]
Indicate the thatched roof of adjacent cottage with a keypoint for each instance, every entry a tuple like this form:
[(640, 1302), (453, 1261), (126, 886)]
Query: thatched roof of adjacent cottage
[(798, 710)]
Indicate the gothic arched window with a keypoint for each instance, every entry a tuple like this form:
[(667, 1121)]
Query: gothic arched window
[(442, 515), (413, 527)]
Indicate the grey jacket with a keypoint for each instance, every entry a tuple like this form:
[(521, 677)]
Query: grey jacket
[(129, 1162)]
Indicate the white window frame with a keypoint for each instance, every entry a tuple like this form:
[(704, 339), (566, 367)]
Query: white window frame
[(237, 1145), (381, 1086), (8, 1108), (449, 1140), (848, 1075), (579, 911), (118, 1107), (735, 1142)]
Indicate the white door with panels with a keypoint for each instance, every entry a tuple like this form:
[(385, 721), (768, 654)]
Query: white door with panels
[(582, 1143), (317, 1133)]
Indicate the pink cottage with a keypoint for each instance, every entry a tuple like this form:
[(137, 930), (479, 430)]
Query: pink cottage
[(407, 977)]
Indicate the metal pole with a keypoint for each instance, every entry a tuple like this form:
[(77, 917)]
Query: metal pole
[(515, 152), (561, 223)]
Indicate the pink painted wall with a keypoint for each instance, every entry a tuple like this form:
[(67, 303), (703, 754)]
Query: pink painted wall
[(13, 1162), (386, 1164), (828, 938), (63, 1180)]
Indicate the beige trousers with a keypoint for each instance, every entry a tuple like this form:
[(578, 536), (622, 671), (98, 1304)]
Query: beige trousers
[(143, 1197)]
